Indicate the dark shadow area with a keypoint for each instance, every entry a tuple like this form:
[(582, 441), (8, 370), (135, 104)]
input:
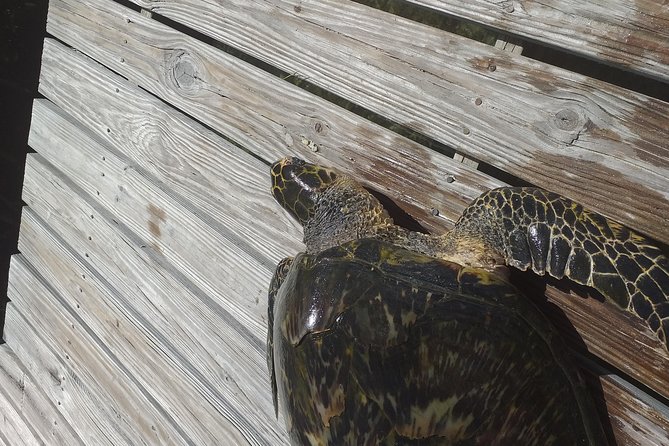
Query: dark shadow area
[(22, 30), (399, 216), (534, 287), (597, 70), (435, 19)]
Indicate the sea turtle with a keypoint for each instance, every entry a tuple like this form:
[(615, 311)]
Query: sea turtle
[(380, 335)]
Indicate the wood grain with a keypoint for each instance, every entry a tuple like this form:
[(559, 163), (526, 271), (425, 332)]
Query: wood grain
[(15, 429), (240, 101), (631, 34), (84, 409), (619, 337), (153, 368), (28, 417), (180, 234), (188, 333), (84, 379), (635, 422), (601, 145)]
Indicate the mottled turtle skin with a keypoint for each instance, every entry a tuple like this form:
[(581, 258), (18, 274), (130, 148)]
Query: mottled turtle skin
[(379, 335)]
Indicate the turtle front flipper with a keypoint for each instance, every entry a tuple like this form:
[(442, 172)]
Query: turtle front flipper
[(533, 228), (277, 279)]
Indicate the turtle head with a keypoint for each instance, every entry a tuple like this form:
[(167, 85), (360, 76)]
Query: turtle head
[(331, 207), (297, 185)]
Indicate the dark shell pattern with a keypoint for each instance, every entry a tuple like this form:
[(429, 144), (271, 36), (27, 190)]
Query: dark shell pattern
[(425, 352)]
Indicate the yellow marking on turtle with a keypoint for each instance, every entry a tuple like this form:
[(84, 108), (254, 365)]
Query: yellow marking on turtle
[(315, 439), (394, 257), (452, 358), (483, 277), (480, 346), (408, 318), (423, 421), (424, 354), (393, 401), (337, 398)]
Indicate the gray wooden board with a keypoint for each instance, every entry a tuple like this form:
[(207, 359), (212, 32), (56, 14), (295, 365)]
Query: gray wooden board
[(632, 34), (88, 383), (85, 410), (15, 429), (24, 403), (266, 115), (181, 236), (601, 145), (192, 337), (155, 370), (83, 158), (635, 422), (65, 213)]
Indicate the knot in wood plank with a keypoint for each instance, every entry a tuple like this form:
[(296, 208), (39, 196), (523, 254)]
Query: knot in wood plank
[(567, 125), (567, 119), (183, 72)]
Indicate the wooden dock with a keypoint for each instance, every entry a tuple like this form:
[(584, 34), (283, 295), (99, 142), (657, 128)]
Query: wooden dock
[(138, 302)]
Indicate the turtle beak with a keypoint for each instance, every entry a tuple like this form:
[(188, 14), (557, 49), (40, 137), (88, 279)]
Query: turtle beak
[(296, 185)]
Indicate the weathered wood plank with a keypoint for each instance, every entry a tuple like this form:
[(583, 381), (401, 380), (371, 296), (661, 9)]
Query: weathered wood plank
[(266, 115), (633, 349), (19, 390), (181, 236), (201, 354), (555, 128), (121, 120), (635, 422), (631, 34), (87, 383), (14, 428), (153, 368)]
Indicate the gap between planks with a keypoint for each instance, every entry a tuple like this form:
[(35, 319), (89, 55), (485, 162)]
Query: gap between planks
[(632, 36)]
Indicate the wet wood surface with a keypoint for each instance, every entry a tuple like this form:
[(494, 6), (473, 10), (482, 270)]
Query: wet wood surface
[(149, 239)]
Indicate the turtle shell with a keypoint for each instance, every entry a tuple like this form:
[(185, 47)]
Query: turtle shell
[(374, 344)]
